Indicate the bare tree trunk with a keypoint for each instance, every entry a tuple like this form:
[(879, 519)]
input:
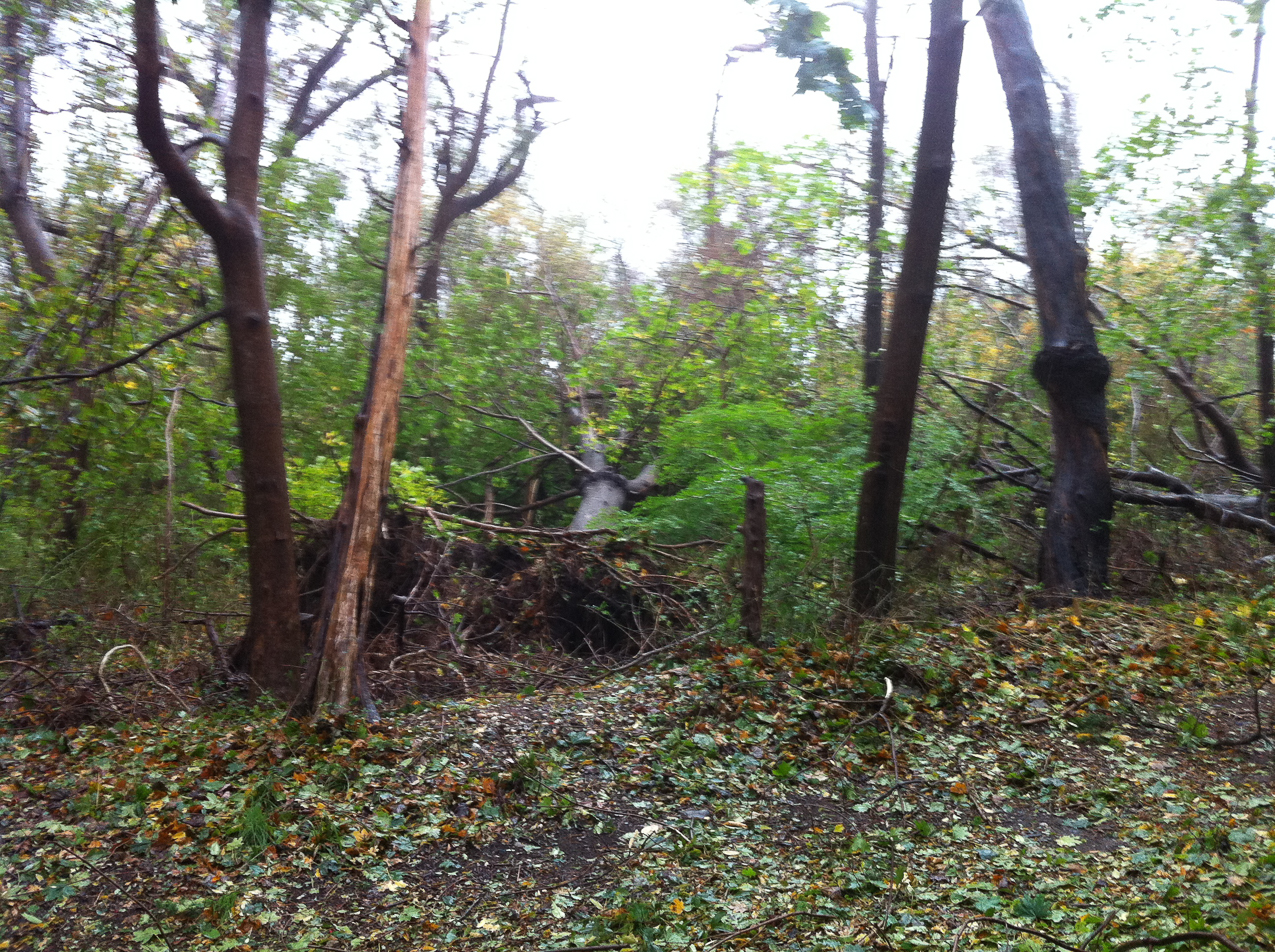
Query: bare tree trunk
[(752, 581), (272, 648), (1069, 367), (349, 594), (874, 299), (881, 493), (602, 489), (170, 487)]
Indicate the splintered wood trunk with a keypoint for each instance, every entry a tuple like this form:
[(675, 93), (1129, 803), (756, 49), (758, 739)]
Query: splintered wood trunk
[(1069, 367), (881, 492), (752, 580), (349, 590)]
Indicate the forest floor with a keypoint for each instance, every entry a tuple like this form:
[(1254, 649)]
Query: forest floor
[(1030, 781)]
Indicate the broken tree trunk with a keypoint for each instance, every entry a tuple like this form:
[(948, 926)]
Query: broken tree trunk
[(603, 490), (881, 493), (1069, 367), (752, 581), (348, 596)]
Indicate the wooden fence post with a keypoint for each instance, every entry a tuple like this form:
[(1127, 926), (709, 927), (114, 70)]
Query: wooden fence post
[(753, 575)]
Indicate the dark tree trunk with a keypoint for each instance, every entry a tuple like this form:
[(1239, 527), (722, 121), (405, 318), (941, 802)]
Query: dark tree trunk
[(1069, 366), (874, 299), (272, 649), (457, 165), (15, 151), (752, 580), (881, 493), (1258, 262)]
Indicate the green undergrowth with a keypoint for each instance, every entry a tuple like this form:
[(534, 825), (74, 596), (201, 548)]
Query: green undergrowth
[(1054, 772)]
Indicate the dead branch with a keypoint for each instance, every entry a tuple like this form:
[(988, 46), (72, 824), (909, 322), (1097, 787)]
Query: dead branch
[(559, 534), (213, 512), (1201, 404), (101, 675), (1154, 477), (974, 547), (1145, 943), (984, 412), (123, 361)]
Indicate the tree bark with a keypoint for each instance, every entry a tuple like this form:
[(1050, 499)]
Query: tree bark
[(272, 648), (359, 517), (881, 492), (752, 582), (874, 299), (1069, 367), (455, 176), (603, 490), (15, 153), (1257, 265)]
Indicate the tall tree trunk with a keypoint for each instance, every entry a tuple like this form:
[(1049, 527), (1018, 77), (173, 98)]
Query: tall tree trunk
[(15, 151), (881, 493), (1069, 367), (272, 648), (1258, 264), (359, 518), (874, 299)]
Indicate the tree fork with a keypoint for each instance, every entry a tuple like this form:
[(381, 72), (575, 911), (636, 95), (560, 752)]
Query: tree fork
[(272, 649)]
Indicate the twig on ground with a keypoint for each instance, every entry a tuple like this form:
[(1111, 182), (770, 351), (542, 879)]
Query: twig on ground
[(1102, 927), (23, 664), (101, 675), (773, 920), (1258, 734), (1144, 943), (1069, 709), (130, 894)]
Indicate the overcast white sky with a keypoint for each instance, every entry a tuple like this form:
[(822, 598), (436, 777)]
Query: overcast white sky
[(637, 82)]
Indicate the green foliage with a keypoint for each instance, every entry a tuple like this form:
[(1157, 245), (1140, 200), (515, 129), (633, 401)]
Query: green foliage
[(797, 33)]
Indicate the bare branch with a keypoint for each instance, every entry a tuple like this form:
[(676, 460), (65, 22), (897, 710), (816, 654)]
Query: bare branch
[(154, 135), (123, 361)]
